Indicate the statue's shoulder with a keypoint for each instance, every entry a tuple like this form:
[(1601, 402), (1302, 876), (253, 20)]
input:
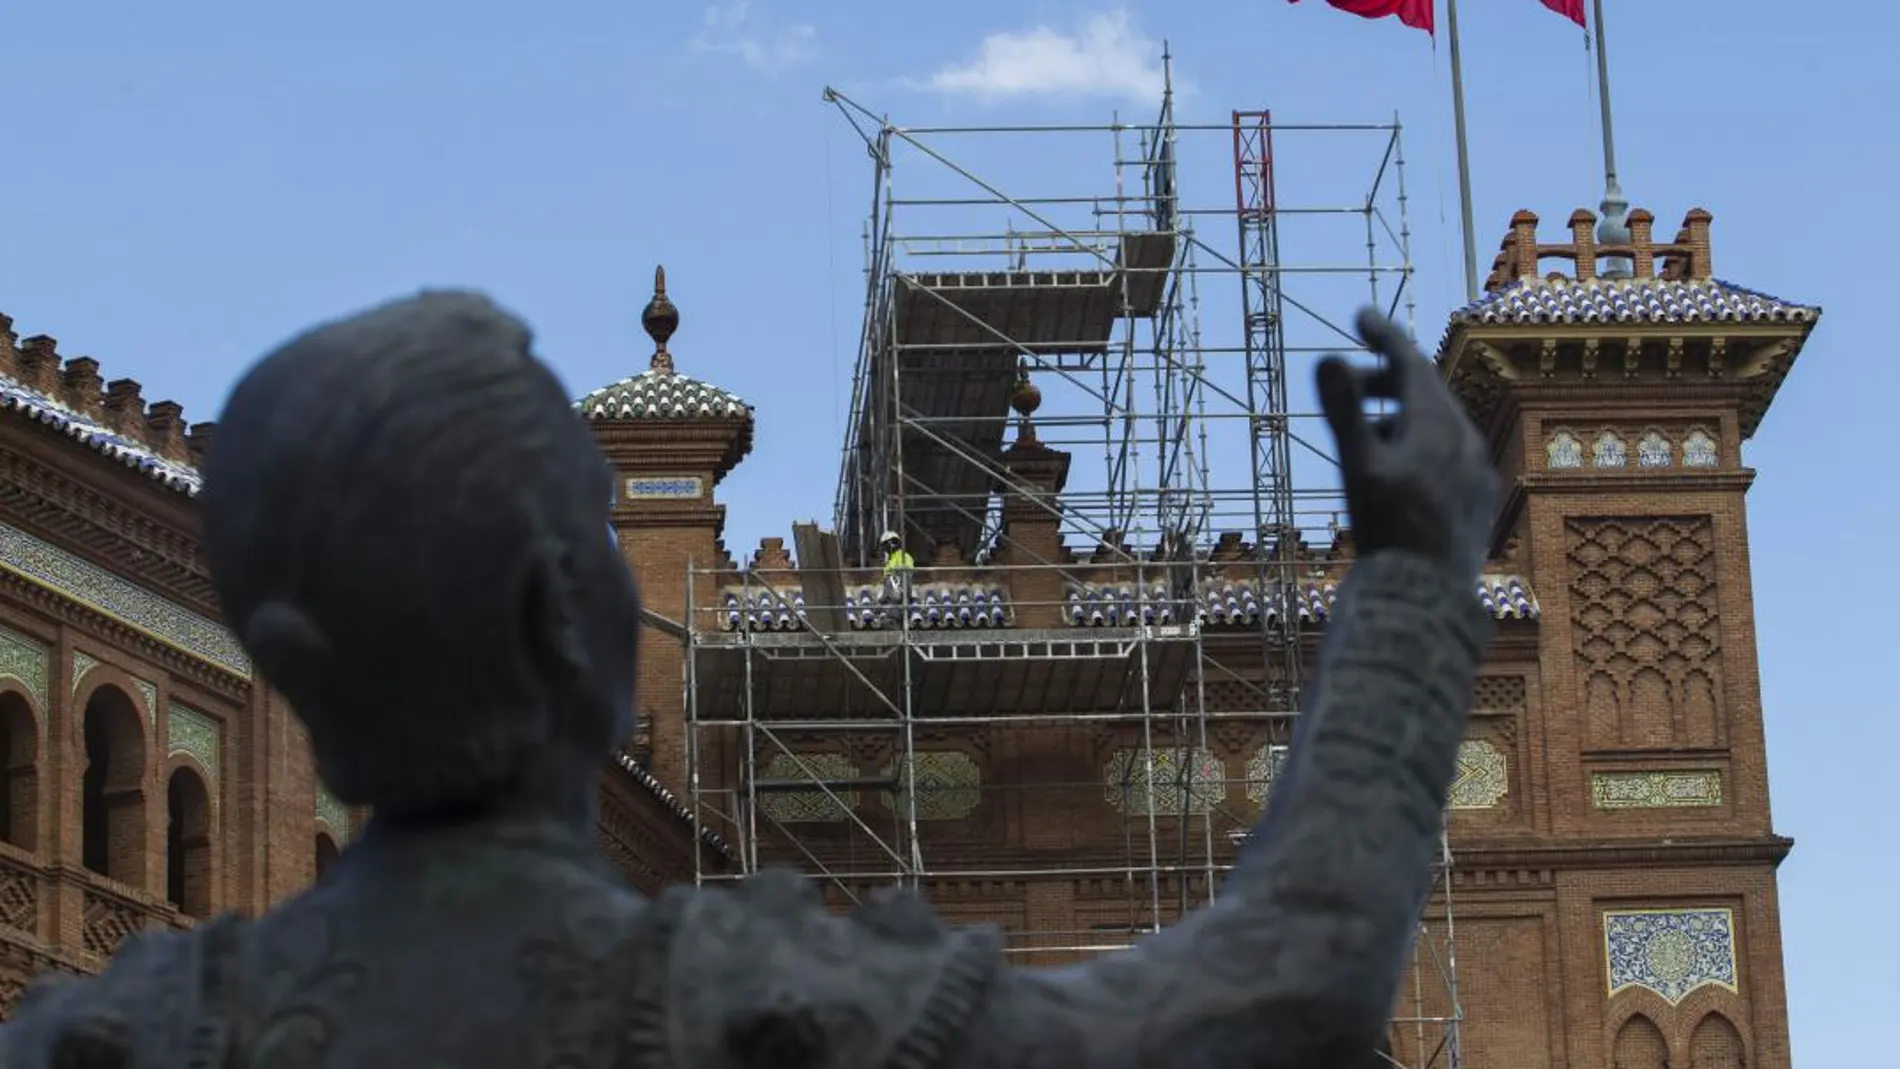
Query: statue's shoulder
[(768, 971), (164, 992)]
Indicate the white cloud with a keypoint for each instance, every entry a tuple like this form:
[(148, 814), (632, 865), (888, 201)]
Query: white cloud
[(1104, 57), (731, 30)]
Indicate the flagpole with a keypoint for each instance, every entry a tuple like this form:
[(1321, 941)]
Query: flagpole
[(1603, 102), (1613, 213), (1464, 149)]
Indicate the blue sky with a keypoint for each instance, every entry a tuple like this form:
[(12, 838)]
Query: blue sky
[(189, 184)]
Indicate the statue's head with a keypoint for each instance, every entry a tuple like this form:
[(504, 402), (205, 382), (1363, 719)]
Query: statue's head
[(407, 526)]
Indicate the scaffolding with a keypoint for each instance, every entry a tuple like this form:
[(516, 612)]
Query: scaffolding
[(1035, 737)]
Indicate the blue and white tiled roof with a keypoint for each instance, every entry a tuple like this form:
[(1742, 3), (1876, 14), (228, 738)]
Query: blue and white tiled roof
[(1649, 300), (40, 408), (934, 607), (661, 394), (1231, 603)]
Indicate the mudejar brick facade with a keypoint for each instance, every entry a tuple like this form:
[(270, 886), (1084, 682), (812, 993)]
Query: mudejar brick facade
[(1068, 741)]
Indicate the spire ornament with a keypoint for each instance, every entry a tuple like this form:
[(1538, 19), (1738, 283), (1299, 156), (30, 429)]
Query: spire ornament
[(660, 318)]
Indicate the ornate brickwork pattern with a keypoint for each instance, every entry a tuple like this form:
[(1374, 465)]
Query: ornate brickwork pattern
[(1188, 780), (19, 900), (27, 662), (108, 924), (194, 734), (1699, 789), (814, 806), (82, 664), (1499, 694), (129, 603), (949, 784), (1642, 596), (1484, 776), (1262, 768), (332, 813), (1670, 952)]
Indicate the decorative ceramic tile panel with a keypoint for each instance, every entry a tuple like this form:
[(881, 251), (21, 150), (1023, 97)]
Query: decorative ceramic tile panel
[(1653, 451), (1262, 768), (813, 806), (1670, 952), (1698, 451), (27, 661), (1483, 776), (1563, 451), (1697, 789), (150, 694), (332, 813), (949, 784), (130, 604), (1609, 451), (194, 734), (665, 488), (82, 663), (1188, 780)]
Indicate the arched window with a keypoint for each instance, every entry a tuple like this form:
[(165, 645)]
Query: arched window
[(112, 839), (19, 773), (1640, 1045), (326, 853), (188, 844)]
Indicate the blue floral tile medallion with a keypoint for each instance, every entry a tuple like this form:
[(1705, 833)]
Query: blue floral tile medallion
[(1672, 952)]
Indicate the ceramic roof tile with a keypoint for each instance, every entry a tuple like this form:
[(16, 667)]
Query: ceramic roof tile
[(934, 607), (661, 394), (1232, 603), (1630, 301), (98, 437), (668, 799)]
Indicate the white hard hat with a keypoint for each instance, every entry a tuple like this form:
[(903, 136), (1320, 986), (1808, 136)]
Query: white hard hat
[(888, 536)]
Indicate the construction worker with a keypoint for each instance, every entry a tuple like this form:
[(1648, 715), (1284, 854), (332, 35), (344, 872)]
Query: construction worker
[(898, 565)]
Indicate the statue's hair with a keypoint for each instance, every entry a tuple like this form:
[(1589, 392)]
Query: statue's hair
[(378, 498)]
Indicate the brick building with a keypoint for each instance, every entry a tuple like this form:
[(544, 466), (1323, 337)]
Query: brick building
[(1067, 739)]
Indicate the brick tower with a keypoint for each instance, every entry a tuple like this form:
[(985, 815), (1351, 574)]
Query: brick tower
[(670, 439), (1617, 407)]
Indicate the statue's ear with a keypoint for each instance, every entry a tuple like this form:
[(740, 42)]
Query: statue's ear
[(292, 652), (549, 617)]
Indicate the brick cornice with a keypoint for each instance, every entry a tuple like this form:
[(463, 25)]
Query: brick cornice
[(106, 523), (109, 630)]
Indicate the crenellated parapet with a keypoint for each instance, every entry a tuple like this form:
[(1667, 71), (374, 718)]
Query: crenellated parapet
[(69, 395)]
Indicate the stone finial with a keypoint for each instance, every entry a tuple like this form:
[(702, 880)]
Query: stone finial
[(1583, 238), (1026, 398), (7, 338), (1642, 235), (660, 318), (1695, 235)]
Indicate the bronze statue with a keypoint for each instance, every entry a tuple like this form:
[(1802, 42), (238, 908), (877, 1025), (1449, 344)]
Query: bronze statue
[(404, 522)]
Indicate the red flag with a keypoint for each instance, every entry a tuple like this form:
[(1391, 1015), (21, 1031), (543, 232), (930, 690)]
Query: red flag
[(1570, 9), (1414, 13)]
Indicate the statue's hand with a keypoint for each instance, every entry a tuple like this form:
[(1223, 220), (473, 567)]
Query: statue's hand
[(1420, 479)]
